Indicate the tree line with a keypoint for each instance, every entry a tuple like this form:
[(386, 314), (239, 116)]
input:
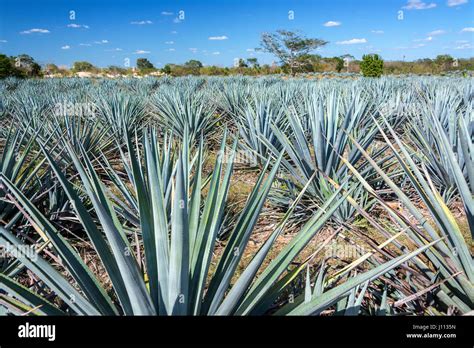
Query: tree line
[(293, 51)]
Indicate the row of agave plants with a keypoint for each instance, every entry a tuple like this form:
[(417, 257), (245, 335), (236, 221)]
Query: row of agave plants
[(114, 196)]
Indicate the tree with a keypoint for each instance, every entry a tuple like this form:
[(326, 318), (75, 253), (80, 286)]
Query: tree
[(20, 66), (289, 47), (347, 58), (307, 63), (193, 64), (144, 64), (27, 66), (339, 64), (241, 63), (166, 69), (6, 67), (371, 65), (83, 66), (253, 62), (51, 68), (116, 70), (444, 62)]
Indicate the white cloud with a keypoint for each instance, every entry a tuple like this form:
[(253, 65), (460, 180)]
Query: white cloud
[(464, 46), (114, 50), (437, 32), (3, 41), (219, 38), (468, 30), (85, 44), (429, 38), (250, 49), (216, 53), (419, 45), (141, 52), (141, 22), (169, 42), (452, 3), (74, 25), (352, 42), (38, 31), (418, 5), (165, 13), (66, 47), (101, 42), (193, 49), (174, 32), (171, 50), (377, 31), (176, 20), (332, 24)]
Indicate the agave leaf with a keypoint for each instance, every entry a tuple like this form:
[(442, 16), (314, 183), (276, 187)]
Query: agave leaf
[(93, 233), (26, 295), (76, 266), (179, 250), (140, 300), (330, 296), (52, 278), (279, 264)]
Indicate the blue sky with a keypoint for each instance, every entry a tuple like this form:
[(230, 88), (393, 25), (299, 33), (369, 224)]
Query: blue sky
[(216, 32)]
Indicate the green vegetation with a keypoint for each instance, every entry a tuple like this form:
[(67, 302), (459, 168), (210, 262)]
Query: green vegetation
[(83, 66), (116, 70), (291, 48), (371, 65), (303, 63), (339, 64), (6, 67), (19, 66), (144, 65)]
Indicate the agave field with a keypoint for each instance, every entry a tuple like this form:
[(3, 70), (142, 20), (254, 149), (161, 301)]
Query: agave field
[(237, 196)]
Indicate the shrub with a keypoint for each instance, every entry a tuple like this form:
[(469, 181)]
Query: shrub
[(371, 65), (83, 66), (6, 67)]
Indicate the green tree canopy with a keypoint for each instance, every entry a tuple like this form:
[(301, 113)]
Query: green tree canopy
[(339, 63), (6, 67), (290, 47), (144, 64), (166, 69), (27, 66), (371, 65), (193, 64), (444, 61), (253, 62), (241, 63), (83, 66), (113, 69)]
